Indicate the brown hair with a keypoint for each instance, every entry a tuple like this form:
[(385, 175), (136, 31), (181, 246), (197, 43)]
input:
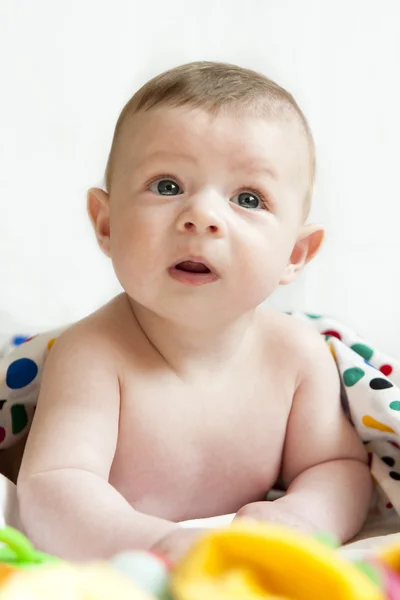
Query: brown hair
[(215, 87)]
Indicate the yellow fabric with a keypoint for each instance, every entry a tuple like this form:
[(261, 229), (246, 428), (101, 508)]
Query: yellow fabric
[(390, 556), (254, 560), (89, 582)]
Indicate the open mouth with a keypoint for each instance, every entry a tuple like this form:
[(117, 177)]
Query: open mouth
[(189, 266), (193, 272)]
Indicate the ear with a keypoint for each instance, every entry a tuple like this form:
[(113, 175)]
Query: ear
[(98, 207), (306, 247)]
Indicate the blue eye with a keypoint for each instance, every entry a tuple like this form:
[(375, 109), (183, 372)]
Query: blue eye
[(248, 200), (165, 187)]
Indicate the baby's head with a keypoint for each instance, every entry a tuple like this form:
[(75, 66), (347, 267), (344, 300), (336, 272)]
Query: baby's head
[(208, 185)]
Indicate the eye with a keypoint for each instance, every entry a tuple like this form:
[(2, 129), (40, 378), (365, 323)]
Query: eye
[(248, 199), (165, 187)]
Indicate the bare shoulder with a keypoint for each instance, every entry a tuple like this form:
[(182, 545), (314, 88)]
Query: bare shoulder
[(295, 337), (289, 330), (79, 393), (102, 334)]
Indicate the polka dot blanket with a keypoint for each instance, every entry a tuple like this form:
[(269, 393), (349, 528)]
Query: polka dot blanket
[(22, 359), (370, 396), (371, 399)]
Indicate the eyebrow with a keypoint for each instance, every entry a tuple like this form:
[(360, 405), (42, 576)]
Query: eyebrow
[(245, 168), (164, 154), (257, 170)]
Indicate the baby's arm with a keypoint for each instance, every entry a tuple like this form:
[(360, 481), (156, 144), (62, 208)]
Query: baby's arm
[(324, 462), (67, 505)]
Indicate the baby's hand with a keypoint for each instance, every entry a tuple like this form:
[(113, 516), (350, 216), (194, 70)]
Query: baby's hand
[(274, 512), (177, 542)]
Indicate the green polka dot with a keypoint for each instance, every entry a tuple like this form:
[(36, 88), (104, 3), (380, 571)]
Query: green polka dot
[(19, 418), (365, 351), (328, 540), (351, 376), (395, 405), (311, 316), (370, 571)]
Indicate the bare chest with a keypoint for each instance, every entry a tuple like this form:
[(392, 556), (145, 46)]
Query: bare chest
[(195, 451)]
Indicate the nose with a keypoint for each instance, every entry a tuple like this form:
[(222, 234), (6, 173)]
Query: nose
[(202, 216)]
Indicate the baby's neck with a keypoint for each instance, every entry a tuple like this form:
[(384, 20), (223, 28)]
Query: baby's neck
[(194, 349)]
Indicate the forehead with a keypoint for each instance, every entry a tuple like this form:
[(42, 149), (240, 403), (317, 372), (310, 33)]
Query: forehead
[(242, 141)]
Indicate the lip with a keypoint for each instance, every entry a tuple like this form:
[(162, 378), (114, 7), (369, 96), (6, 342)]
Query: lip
[(193, 278)]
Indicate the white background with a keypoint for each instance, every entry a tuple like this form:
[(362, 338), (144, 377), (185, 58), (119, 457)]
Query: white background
[(67, 68)]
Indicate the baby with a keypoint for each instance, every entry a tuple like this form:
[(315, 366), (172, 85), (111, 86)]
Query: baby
[(184, 398)]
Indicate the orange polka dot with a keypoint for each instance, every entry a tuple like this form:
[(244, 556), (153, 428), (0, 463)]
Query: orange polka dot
[(50, 343), (332, 349), (374, 424)]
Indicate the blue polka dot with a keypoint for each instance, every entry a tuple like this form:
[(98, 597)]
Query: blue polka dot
[(20, 373), (19, 339), (369, 364)]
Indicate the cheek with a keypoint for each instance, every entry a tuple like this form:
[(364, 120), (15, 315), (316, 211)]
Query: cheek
[(135, 246), (261, 261)]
